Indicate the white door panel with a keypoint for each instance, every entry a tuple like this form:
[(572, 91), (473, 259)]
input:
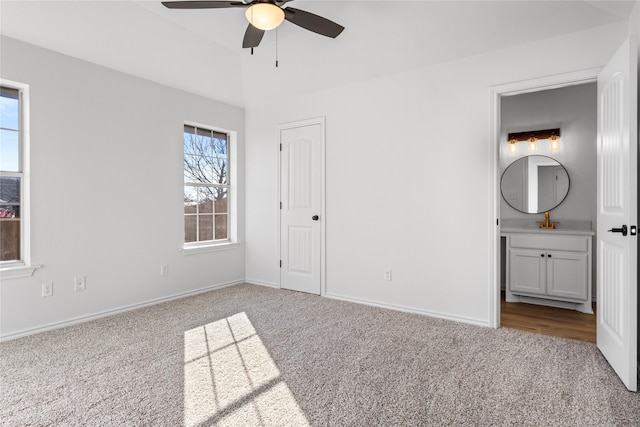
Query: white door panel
[(617, 206), (301, 208)]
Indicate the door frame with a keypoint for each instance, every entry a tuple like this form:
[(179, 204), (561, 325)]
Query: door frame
[(291, 125), (496, 93)]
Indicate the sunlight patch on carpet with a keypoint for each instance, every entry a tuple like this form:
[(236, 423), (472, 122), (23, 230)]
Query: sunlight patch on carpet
[(230, 379)]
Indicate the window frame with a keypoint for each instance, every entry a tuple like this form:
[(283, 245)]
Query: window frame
[(22, 267), (231, 241)]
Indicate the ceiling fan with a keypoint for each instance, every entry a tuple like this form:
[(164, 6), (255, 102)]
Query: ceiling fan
[(265, 15)]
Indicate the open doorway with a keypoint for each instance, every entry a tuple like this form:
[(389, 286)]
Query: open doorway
[(617, 197), (569, 103)]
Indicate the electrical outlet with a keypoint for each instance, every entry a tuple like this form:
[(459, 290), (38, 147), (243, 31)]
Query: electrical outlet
[(164, 270), (47, 289), (80, 283), (387, 274)]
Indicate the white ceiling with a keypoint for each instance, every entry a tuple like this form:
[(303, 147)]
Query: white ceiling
[(200, 51)]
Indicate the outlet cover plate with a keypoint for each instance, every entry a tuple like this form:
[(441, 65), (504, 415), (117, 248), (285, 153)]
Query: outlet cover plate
[(80, 283), (47, 289)]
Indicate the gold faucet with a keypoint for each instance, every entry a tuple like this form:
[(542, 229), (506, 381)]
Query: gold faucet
[(547, 224)]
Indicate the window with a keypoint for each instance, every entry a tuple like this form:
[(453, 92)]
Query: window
[(206, 186), (10, 175), (14, 188)]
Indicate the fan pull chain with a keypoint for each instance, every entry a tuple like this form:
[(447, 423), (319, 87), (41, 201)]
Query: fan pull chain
[(276, 47), (251, 10)]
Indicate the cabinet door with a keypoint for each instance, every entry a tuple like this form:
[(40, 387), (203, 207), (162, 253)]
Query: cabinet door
[(527, 271), (567, 275)]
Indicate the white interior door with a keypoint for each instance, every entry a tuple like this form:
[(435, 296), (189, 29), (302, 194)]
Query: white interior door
[(618, 207), (301, 213)]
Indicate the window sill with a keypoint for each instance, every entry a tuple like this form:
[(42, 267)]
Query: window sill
[(192, 250), (19, 272)]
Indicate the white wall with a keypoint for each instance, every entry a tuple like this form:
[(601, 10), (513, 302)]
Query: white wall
[(574, 110), (409, 181), (106, 152)]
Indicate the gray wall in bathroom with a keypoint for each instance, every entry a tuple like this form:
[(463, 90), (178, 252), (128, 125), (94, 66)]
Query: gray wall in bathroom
[(574, 110)]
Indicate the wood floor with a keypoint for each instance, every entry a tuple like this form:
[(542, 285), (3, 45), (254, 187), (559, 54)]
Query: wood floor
[(548, 320)]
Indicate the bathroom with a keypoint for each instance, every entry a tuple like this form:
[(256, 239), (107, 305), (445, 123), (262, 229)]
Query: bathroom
[(573, 111)]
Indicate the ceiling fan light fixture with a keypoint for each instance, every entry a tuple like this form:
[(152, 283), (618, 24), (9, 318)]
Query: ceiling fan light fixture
[(264, 16)]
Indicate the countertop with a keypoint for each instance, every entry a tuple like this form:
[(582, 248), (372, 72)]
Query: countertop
[(530, 226)]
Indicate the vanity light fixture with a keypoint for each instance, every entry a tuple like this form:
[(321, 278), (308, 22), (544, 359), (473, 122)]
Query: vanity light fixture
[(532, 138), (554, 143), (513, 146)]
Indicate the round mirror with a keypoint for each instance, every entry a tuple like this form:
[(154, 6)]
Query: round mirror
[(534, 184)]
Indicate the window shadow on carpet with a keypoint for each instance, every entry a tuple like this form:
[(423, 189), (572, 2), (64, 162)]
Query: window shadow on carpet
[(230, 379)]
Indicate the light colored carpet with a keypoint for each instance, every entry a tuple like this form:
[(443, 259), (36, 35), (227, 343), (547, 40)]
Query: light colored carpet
[(249, 355)]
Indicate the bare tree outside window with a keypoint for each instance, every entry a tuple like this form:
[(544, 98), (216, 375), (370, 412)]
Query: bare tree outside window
[(206, 185)]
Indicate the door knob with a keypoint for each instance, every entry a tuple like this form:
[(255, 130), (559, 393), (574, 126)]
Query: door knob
[(622, 230), (315, 217)]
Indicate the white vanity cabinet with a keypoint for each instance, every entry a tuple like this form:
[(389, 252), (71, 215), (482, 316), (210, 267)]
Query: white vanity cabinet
[(549, 267)]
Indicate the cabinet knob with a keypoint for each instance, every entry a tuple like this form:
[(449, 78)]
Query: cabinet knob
[(549, 255), (542, 255)]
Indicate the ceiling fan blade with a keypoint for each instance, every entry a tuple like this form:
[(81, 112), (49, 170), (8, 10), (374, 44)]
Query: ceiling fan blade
[(252, 37), (312, 22), (202, 4)]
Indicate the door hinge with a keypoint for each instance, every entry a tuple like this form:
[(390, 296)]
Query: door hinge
[(280, 147), (497, 221), (280, 263), (280, 205)]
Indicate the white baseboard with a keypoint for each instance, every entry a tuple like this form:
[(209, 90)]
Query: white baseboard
[(461, 319), (106, 313), (261, 283)]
